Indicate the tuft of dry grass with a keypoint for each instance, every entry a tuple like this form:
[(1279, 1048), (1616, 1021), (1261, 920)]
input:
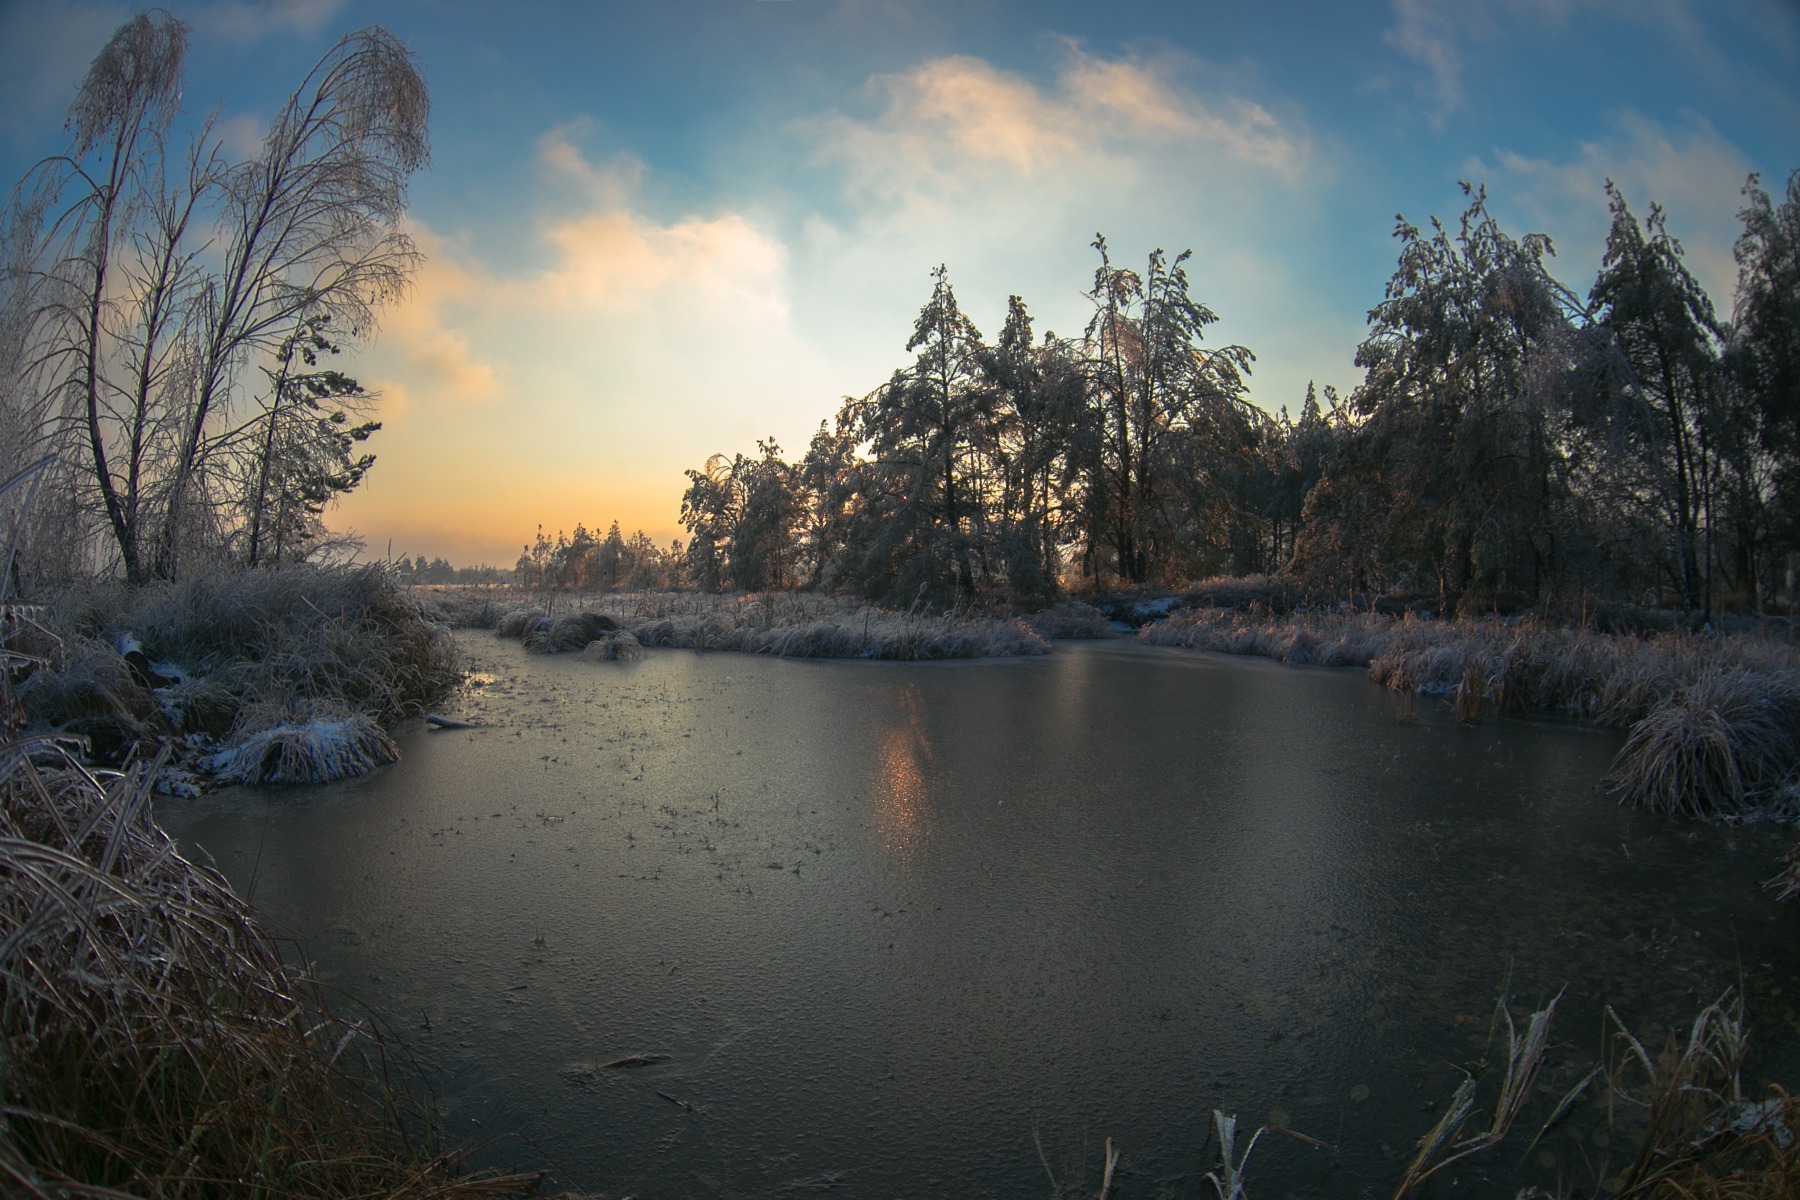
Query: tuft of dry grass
[(153, 1042), (568, 633), (614, 647), (1712, 747)]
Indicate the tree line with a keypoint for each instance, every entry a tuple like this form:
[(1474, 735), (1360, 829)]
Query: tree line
[(418, 569), (1513, 442), (169, 314), (612, 562)]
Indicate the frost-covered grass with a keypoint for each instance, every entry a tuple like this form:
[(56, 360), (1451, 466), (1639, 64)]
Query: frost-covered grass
[(288, 668), (573, 631), (1072, 619), (308, 746), (1330, 641), (1665, 1120), (787, 624), (614, 647), (1714, 720), (1650, 1120), (153, 1040)]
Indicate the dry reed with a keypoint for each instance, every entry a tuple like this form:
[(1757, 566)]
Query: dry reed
[(1445, 1144), (1677, 1123), (152, 1041), (1786, 885)]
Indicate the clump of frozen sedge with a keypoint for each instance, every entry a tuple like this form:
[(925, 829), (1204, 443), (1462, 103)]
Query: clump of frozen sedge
[(303, 747)]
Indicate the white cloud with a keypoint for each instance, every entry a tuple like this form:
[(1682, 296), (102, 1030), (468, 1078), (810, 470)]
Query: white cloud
[(959, 121), (1425, 32), (240, 135), (243, 22), (1692, 171), (614, 184)]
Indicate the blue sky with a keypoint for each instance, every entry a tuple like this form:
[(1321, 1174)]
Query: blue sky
[(662, 230)]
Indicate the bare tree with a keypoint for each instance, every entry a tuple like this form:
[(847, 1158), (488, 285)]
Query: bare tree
[(314, 229), (144, 288), (119, 125)]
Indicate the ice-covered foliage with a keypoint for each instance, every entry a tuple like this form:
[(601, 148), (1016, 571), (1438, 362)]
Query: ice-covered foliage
[(304, 748)]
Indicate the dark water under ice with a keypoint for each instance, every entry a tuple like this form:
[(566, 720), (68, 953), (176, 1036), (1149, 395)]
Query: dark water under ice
[(888, 920)]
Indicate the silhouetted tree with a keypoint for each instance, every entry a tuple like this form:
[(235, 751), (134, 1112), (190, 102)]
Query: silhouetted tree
[(1765, 346), (742, 514), (1663, 324), (926, 432), (1457, 475), (1167, 412)]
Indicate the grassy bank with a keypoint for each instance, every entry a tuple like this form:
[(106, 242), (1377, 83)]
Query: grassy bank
[(152, 1041), (1713, 721), (785, 624), (285, 675)]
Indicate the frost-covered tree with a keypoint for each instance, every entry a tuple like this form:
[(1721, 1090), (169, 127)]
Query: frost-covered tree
[(303, 449), (743, 514), (1663, 325), (151, 284), (1170, 417), (1765, 350), (927, 431), (1457, 479)]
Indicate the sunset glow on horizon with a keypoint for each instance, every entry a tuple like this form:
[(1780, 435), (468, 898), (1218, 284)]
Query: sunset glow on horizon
[(658, 232)]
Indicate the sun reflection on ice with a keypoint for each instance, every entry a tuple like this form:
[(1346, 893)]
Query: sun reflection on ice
[(902, 805)]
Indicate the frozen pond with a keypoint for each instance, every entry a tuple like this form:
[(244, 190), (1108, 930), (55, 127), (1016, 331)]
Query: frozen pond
[(887, 920)]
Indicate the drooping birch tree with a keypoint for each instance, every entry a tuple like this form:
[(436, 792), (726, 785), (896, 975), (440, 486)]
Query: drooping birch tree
[(151, 284)]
